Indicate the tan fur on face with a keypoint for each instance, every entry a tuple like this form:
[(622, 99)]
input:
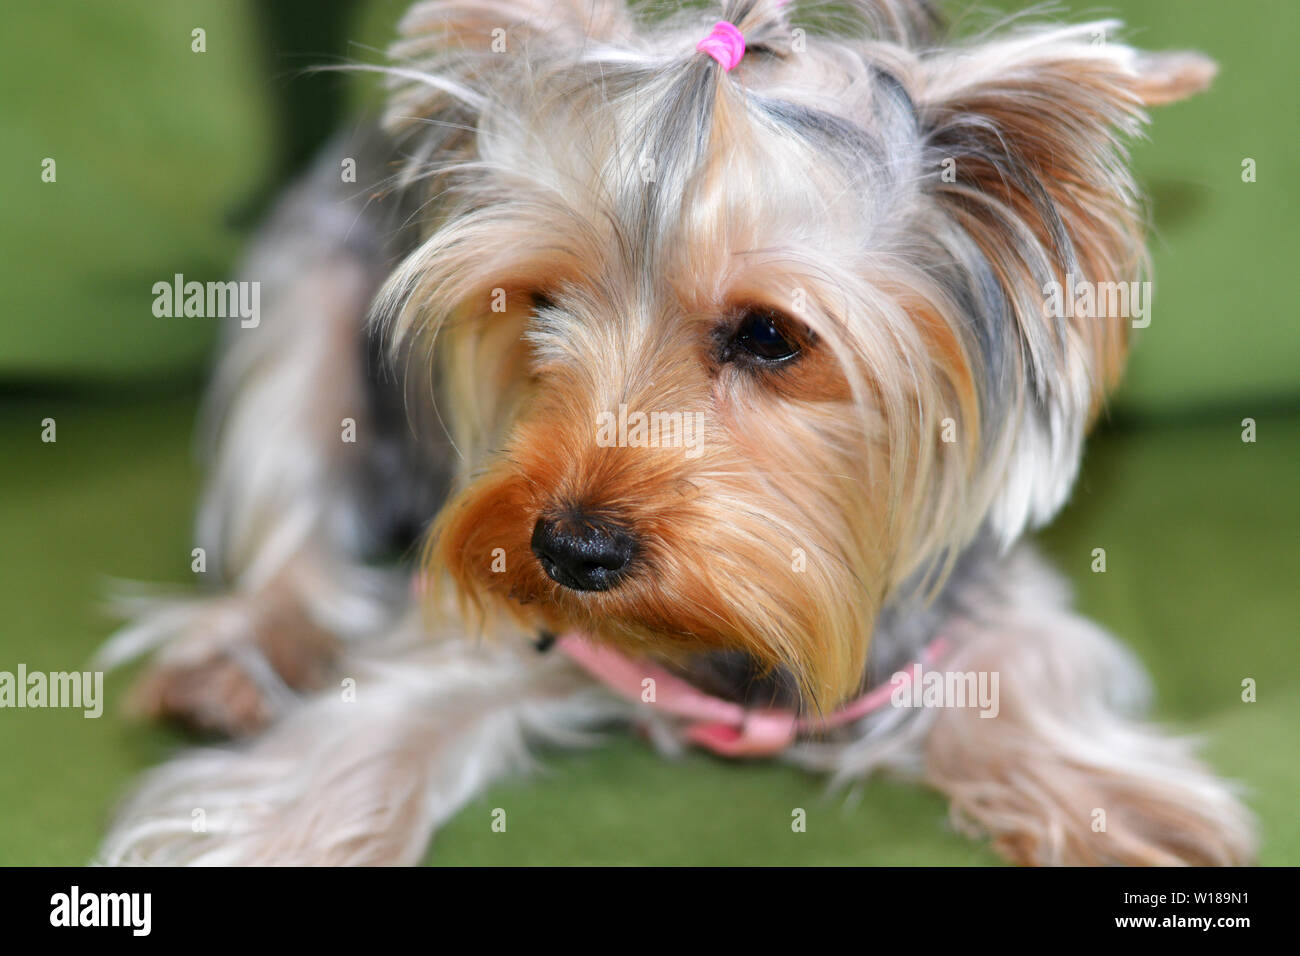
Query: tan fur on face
[(716, 564)]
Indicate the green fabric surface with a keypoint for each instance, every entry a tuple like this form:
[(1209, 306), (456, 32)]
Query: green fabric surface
[(1223, 325), (155, 148), (1199, 531)]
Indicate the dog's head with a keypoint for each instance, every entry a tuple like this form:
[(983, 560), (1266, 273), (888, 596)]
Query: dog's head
[(735, 357)]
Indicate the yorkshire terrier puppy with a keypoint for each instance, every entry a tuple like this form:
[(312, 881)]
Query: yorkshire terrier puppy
[(708, 365)]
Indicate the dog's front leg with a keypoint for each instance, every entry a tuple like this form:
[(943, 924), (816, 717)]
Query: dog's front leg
[(1062, 769), (363, 775)]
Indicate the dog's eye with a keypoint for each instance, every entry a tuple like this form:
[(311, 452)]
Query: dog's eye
[(763, 334)]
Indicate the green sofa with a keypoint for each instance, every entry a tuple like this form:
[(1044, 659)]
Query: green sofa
[(163, 157)]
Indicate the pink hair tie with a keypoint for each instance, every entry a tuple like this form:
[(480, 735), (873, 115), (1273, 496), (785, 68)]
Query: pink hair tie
[(725, 44)]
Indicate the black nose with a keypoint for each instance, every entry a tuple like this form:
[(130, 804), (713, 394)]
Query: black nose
[(582, 552)]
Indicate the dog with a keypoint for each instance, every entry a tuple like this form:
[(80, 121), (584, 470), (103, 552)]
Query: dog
[(694, 372)]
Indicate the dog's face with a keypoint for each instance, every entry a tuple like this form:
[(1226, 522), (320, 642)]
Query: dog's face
[(734, 359)]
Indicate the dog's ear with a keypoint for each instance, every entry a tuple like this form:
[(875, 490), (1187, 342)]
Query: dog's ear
[(1027, 136)]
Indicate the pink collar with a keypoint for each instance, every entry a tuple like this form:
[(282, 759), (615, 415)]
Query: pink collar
[(724, 727)]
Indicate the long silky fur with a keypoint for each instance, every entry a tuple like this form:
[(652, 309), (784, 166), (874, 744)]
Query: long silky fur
[(591, 205), (363, 779)]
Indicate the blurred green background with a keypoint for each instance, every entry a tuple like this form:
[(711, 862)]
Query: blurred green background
[(165, 160)]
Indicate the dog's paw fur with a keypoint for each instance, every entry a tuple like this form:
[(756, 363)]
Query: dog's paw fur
[(228, 665)]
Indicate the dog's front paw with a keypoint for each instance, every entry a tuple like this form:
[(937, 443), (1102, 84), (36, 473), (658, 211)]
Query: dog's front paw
[(214, 696), (231, 664)]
